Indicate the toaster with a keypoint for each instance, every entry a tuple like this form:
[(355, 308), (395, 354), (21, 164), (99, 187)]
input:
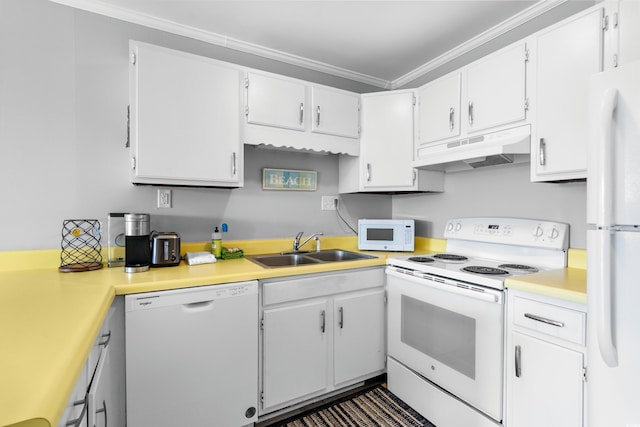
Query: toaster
[(165, 249)]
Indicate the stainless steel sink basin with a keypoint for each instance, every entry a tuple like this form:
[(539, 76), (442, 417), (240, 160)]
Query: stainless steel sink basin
[(336, 255), (306, 258), (278, 260)]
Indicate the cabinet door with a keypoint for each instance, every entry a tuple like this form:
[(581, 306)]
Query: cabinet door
[(185, 119), (439, 109), (496, 89), (387, 140), (566, 57), (275, 101), (102, 393), (295, 347), (75, 410), (359, 338), (335, 112), (548, 389)]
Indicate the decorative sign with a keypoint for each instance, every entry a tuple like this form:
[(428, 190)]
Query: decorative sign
[(282, 179)]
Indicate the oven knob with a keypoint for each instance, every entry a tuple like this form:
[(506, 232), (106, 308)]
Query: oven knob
[(554, 233), (458, 226), (538, 231), (449, 226)]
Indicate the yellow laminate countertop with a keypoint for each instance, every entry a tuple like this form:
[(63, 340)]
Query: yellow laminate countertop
[(49, 320), (565, 283)]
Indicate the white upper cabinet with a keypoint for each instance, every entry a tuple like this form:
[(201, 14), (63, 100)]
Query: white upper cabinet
[(335, 112), (184, 119), (567, 55), (496, 89), (276, 101), (386, 148), (439, 109), (288, 113), (487, 96)]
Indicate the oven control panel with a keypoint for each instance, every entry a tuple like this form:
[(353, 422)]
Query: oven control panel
[(512, 231)]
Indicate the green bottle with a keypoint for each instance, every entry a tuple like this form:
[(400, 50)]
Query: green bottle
[(216, 243)]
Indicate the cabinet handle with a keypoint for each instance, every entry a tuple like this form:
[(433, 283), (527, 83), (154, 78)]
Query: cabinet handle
[(341, 323), (234, 163), (451, 112), (318, 115), (107, 338), (323, 317), (543, 152), (368, 172), (518, 355), (544, 320), (104, 409), (80, 419), (301, 113), (470, 113)]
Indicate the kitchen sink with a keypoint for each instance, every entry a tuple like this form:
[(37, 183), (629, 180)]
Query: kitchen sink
[(306, 258), (335, 255)]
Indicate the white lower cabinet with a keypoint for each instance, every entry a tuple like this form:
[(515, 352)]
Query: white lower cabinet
[(545, 361), (98, 398), (359, 347), (75, 411), (320, 333), (294, 351), (106, 394)]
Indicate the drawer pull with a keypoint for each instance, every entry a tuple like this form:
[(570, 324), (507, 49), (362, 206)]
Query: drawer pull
[(107, 338), (544, 320), (78, 421)]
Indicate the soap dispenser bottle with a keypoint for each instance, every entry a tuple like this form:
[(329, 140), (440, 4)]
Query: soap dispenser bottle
[(216, 243)]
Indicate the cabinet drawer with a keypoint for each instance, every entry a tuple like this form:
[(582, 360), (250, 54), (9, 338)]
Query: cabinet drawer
[(549, 319), (320, 285)]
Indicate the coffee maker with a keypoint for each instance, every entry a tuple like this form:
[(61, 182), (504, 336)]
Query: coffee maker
[(137, 232)]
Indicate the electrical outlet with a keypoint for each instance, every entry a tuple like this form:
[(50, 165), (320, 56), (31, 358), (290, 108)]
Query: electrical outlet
[(329, 203), (164, 198)]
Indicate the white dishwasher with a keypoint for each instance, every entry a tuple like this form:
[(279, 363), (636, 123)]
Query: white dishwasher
[(192, 356)]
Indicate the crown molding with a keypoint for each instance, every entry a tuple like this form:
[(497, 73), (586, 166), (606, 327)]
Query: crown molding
[(128, 15), (134, 17), (492, 33)]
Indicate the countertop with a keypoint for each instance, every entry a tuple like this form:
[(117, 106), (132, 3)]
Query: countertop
[(566, 283), (49, 320)]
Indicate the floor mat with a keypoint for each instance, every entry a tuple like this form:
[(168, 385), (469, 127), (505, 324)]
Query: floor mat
[(377, 407)]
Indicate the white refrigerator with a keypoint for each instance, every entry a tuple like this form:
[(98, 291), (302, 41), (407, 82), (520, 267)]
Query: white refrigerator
[(613, 249)]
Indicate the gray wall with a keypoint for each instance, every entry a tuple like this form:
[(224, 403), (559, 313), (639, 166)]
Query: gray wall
[(500, 191), (63, 99)]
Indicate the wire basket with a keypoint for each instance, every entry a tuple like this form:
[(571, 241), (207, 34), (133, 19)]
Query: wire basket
[(81, 249)]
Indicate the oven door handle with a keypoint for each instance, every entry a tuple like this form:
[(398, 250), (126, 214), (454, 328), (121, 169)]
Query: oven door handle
[(448, 286)]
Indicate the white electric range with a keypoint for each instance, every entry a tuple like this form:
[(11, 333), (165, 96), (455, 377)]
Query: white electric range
[(446, 315)]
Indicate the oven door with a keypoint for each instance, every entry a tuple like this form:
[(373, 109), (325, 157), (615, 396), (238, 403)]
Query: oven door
[(449, 334)]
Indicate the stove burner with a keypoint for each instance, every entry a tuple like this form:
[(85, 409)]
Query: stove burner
[(519, 268), (484, 270), (450, 257), (421, 259)]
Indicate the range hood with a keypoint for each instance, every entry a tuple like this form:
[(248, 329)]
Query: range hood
[(497, 148)]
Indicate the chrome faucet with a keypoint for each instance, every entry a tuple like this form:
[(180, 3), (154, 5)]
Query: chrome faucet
[(296, 241)]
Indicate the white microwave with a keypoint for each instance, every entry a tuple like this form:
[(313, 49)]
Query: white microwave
[(386, 234)]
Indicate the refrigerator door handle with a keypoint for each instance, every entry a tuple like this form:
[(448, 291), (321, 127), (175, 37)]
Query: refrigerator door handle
[(604, 321), (606, 149)]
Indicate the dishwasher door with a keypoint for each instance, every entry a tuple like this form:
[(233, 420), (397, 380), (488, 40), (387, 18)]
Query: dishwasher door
[(192, 356)]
